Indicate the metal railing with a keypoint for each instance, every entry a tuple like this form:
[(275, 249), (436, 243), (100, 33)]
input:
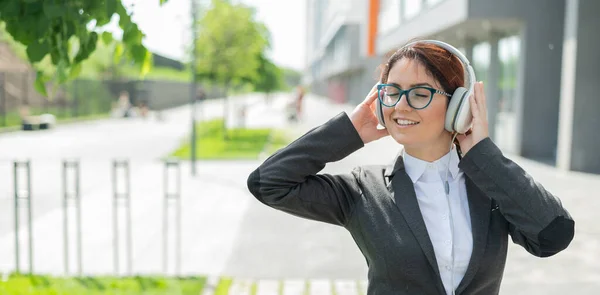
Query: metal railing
[(71, 205)]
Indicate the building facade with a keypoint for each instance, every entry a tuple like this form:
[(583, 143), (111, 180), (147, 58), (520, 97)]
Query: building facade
[(539, 60)]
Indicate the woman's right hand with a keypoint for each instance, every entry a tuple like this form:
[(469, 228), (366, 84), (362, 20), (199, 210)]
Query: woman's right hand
[(364, 119)]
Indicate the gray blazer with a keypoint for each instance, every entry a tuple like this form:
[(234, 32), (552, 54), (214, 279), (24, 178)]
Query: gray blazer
[(378, 206)]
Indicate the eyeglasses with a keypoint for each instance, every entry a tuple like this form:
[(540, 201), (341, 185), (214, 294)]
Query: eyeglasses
[(417, 97)]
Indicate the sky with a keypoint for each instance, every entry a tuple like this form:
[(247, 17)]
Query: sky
[(167, 27)]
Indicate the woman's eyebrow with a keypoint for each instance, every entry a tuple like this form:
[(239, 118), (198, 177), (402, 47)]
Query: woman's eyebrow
[(412, 85), (421, 84)]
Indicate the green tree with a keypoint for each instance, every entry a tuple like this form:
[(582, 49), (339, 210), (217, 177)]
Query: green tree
[(269, 78), (291, 77), (229, 44), (66, 31)]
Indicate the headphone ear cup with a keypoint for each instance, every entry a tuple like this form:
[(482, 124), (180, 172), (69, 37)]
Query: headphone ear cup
[(453, 108), (379, 113), (464, 117)]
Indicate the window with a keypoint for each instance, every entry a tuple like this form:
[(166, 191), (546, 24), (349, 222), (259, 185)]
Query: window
[(433, 2), (389, 15), (318, 19), (481, 60), (411, 8), (508, 51), (340, 53)]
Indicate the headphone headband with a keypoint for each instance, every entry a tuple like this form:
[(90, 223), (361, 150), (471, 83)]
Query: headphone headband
[(470, 73)]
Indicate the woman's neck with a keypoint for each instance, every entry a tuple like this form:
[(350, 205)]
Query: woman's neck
[(429, 152)]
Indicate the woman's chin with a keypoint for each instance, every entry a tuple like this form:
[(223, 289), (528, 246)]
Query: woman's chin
[(403, 138)]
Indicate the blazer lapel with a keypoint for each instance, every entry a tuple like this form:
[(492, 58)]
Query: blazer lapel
[(480, 208), (403, 195)]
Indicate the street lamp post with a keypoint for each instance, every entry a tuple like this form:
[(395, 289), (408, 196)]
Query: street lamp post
[(193, 87)]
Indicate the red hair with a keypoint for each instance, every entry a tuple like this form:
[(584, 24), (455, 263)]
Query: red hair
[(440, 63)]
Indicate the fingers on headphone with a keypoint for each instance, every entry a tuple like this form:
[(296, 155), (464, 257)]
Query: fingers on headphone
[(371, 96), (474, 106), (481, 98), (372, 107)]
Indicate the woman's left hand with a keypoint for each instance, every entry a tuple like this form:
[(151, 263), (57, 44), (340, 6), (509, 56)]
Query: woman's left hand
[(479, 128)]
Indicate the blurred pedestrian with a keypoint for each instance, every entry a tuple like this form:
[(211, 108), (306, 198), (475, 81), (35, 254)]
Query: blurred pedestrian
[(123, 105), (200, 94), (299, 101)]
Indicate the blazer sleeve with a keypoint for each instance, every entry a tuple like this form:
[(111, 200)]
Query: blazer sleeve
[(288, 180), (537, 219)]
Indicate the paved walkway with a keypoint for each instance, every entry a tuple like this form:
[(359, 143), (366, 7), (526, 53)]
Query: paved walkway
[(225, 231)]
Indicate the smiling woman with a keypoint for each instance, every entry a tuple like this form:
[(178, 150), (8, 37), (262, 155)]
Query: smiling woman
[(437, 220), (440, 72)]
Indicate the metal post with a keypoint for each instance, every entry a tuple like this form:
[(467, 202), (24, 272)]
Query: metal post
[(129, 234), (29, 219), (65, 217), (27, 200), (171, 197), (78, 202), (16, 188), (194, 85), (117, 197), (73, 196)]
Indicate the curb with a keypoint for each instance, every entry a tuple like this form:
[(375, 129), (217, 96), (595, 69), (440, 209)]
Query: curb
[(68, 121), (228, 285)]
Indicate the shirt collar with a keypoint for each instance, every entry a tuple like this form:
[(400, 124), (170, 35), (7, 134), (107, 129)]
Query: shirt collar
[(415, 167)]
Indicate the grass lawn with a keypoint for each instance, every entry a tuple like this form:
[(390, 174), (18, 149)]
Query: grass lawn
[(144, 285), (241, 144), (45, 285)]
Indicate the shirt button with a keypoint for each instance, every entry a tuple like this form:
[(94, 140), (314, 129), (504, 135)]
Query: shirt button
[(447, 242), (448, 267), (444, 217)]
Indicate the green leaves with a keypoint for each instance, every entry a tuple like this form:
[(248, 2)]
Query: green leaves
[(111, 7), (85, 49), (39, 83), (52, 27), (36, 51), (146, 64), (75, 71), (52, 9), (131, 34), (270, 77), (229, 51), (118, 53), (10, 9), (107, 38)]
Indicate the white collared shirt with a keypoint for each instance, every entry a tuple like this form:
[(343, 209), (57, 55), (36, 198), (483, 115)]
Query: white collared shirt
[(428, 179)]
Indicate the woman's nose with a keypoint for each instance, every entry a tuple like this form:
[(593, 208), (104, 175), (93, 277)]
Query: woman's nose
[(402, 104)]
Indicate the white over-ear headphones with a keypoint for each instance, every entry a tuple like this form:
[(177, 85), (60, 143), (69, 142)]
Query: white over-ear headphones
[(458, 114)]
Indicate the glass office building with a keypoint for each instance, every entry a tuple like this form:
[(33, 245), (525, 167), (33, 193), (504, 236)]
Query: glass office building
[(539, 60)]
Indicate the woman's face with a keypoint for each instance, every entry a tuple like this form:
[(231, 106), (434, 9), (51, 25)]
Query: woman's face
[(429, 128)]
